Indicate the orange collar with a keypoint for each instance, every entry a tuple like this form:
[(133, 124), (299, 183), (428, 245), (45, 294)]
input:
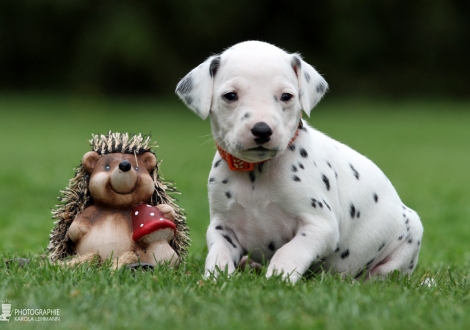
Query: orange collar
[(236, 164)]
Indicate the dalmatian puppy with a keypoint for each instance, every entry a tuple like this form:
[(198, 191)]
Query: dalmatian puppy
[(281, 191)]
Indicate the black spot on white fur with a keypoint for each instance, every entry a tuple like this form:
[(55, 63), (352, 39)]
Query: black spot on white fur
[(303, 153), (228, 194), (217, 163), (219, 227), (230, 241), (356, 173), (225, 181), (295, 178), (352, 211), (211, 179), (321, 88), (296, 62), (326, 181), (186, 85), (301, 166), (291, 147), (376, 198), (345, 254), (307, 76), (294, 168), (188, 100), (214, 66), (313, 202), (328, 206)]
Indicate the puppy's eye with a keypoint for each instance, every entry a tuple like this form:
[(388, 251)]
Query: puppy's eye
[(286, 97), (136, 168), (107, 168), (231, 97)]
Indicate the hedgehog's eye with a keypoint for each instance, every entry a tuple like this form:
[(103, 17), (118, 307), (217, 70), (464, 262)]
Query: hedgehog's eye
[(136, 168), (107, 167)]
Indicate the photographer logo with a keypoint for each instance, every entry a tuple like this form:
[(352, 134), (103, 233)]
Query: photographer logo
[(28, 314), (6, 311)]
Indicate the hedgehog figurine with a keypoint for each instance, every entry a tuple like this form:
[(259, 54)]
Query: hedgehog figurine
[(117, 208)]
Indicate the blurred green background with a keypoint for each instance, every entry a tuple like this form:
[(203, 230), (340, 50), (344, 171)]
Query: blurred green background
[(379, 47), (399, 93)]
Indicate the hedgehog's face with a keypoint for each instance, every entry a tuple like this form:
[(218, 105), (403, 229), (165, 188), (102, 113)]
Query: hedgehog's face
[(120, 180)]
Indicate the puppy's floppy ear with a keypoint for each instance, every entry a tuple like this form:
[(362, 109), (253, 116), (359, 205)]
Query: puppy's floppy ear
[(312, 86), (196, 88)]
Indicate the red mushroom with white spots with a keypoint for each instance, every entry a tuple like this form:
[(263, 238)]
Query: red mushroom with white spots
[(153, 230)]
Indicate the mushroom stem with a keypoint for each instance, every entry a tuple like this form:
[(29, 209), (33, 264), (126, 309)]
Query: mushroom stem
[(159, 252)]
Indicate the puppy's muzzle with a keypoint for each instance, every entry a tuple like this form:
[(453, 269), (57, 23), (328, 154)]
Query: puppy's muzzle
[(262, 132)]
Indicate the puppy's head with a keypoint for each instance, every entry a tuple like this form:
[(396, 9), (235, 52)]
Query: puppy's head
[(254, 93)]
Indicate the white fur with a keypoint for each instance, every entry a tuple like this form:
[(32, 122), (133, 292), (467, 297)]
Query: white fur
[(315, 203)]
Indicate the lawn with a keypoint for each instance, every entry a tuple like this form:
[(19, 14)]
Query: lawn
[(422, 146)]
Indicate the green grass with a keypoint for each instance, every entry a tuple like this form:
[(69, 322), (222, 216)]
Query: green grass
[(422, 146)]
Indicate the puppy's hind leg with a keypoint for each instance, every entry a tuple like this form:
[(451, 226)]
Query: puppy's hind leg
[(405, 257)]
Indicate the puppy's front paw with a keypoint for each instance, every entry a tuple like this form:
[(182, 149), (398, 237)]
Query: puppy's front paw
[(291, 277), (217, 271), (218, 265)]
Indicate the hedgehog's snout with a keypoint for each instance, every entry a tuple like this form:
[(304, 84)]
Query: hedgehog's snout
[(125, 166), (122, 179)]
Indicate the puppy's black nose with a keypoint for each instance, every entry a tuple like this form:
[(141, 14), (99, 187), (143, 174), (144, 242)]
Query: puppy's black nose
[(262, 132), (125, 166)]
